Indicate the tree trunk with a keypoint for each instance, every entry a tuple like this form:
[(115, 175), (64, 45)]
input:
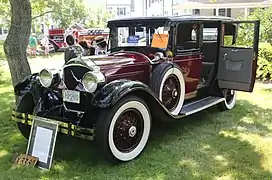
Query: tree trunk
[(17, 40)]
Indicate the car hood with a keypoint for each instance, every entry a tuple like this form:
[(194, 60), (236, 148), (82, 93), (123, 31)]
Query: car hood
[(108, 60)]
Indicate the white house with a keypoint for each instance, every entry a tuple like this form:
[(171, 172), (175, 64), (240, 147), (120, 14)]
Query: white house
[(230, 8), (3, 31), (158, 7)]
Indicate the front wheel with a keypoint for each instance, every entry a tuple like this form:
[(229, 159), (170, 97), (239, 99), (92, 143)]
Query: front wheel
[(122, 132), (230, 100)]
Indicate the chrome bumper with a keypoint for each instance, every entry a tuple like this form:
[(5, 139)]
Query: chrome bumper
[(64, 128)]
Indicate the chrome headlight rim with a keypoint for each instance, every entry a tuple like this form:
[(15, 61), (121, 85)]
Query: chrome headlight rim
[(98, 77), (51, 76)]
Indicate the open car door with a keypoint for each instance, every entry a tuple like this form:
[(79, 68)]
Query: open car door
[(237, 63)]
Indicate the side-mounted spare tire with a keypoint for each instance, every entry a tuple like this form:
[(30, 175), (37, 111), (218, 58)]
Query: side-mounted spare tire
[(168, 83)]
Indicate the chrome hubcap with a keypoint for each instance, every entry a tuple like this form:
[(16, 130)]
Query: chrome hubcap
[(132, 131)]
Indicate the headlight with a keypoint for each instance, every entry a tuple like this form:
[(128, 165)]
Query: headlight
[(91, 79), (46, 78)]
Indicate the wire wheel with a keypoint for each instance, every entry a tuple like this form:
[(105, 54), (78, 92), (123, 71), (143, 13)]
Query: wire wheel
[(171, 92)]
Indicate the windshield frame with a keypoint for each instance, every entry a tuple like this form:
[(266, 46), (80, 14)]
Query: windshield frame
[(148, 25)]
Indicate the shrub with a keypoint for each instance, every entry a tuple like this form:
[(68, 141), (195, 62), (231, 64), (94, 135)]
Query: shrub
[(264, 70)]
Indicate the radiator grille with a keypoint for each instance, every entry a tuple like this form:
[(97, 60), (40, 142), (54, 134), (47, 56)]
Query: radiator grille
[(72, 74)]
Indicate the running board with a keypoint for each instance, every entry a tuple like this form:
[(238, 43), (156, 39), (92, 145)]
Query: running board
[(200, 105)]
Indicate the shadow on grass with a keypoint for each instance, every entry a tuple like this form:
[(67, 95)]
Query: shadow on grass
[(203, 146)]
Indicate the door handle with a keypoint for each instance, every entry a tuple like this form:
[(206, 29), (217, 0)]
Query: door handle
[(234, 50)]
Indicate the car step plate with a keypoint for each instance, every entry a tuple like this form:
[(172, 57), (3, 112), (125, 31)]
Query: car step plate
[(199, 105)]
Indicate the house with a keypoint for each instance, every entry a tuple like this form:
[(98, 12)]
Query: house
[(3, 31), (120, 8), (230, 8)]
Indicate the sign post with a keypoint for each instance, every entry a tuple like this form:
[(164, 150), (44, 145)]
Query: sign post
[(41, 143)]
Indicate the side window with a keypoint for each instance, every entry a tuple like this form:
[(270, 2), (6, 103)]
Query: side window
[(238, 35), (187, 36), (209, 34)]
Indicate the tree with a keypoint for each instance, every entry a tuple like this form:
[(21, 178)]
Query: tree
[(98, 18), (17, 39), (68, 11), (64, 12)]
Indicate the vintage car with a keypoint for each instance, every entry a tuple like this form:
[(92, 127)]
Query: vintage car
[(170, 72)]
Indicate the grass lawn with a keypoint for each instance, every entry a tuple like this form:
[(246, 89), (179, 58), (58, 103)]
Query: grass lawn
[(209, 145)]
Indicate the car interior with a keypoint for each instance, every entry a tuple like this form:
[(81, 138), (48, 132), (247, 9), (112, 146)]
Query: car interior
[(188, 40)]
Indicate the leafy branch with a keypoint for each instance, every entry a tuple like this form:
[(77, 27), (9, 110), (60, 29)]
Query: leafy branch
[(42, 14)]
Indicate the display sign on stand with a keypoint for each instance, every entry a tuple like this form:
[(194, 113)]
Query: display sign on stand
[(42, 141)]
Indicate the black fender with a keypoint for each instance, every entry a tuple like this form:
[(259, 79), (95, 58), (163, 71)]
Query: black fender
[(30, 89), (114, 91), (29, 85)]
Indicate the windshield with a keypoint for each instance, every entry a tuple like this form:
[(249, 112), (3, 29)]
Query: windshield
[(139, 36)]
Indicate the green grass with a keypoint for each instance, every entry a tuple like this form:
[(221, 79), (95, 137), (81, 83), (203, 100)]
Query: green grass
[(209, 145)]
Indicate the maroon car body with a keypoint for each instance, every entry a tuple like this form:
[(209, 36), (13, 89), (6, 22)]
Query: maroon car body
[(156, 68)]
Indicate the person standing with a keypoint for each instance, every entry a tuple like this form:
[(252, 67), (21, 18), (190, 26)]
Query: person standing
[(45, 44), (33, 45), (101, 45)]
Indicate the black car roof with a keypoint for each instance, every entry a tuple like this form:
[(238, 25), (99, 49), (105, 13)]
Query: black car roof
[(168, 19)]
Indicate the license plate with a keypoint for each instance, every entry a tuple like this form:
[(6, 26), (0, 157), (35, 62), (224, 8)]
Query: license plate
[(71, 96)]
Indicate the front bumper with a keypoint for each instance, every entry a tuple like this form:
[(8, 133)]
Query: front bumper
[(64, 128)]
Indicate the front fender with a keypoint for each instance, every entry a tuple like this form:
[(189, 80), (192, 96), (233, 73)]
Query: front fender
[(25, 85), (30, 85), (115, 90), (111, 93)]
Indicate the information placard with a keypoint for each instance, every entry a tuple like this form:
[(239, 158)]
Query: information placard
[(160, 40), (42, 141)]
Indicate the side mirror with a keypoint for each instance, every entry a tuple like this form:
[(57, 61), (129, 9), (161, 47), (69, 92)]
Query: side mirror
[(70, 40)]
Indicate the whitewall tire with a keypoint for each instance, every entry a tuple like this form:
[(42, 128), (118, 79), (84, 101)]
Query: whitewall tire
[(168, 83), (123, 131), (230, 100)]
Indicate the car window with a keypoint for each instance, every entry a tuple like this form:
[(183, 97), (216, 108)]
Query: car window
[(209, 34), (187, 36), (140, 36)]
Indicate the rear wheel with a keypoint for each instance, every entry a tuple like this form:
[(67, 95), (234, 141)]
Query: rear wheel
[(230, 100), (122, 132)]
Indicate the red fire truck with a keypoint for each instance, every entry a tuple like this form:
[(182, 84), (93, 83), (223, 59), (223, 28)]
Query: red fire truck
[(57, 36)]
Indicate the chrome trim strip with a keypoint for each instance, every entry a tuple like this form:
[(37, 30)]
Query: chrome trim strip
[(135, 53), (125, 74), (71, 110)]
